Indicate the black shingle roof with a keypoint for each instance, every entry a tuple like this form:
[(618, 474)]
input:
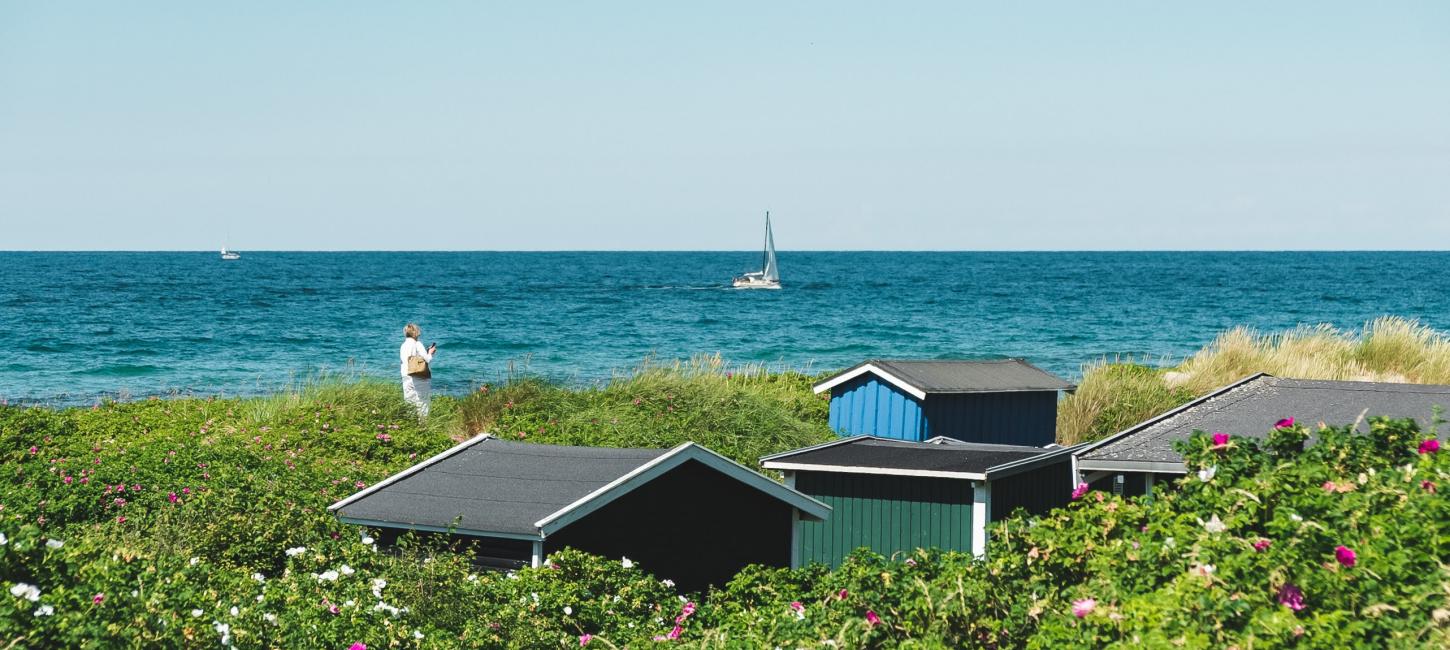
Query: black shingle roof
[(870, 452), (959, 376), (1252, 407), (497, 486)]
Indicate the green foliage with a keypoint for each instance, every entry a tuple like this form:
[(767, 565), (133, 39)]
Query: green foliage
[(1205, 563)]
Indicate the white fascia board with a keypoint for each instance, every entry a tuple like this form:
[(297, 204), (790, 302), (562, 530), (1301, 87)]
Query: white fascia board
[(883, 471), (374, 523), (666, 462), (873, 369), (1152, 467), (411, 470)]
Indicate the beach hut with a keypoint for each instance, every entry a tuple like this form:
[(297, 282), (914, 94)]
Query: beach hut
[(1007, 401), (895, 496), (687, 514), (1135, 460)]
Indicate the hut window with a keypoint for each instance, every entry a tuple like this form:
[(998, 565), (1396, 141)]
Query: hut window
[(1118, 485)]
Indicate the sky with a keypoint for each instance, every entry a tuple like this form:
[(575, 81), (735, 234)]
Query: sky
[(675, 126)]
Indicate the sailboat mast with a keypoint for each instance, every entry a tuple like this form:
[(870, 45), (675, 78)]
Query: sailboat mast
[(765, 248)]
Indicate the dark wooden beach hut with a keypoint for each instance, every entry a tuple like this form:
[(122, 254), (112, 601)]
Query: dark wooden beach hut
[(895, 496), (687, 514), (1139, 458), (1006, 401)]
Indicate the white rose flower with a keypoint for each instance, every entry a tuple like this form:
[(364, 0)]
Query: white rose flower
[(346, 570), (417, 635), (54, 543), (328, 575), (628, 563), (1206, 474), (259, 577), (235, 611), (196, 613), (295, 551), (27, 591), (568, 611), (1213, 525), (45, 610)]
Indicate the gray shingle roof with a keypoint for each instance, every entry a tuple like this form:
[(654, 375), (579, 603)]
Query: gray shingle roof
[(961, 376), (497, 486), (1251, 408), (881, 453)]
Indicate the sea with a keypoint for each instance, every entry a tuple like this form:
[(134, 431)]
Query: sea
[(87, 326)]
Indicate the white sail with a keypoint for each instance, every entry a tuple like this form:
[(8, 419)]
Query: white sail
[(769, 270)]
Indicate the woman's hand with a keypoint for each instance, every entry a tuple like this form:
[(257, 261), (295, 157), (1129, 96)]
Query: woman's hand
[(432, 348)]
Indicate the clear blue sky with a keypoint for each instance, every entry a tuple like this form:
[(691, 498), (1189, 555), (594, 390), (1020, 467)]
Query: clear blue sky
[(670, 125)]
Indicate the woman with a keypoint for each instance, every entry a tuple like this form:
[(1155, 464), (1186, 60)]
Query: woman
[(417, 387)]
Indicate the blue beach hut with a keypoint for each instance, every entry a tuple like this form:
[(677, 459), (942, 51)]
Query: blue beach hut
[(1006, 401)]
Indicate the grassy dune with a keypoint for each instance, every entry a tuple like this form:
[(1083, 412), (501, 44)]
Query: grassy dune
[(1115, 395)]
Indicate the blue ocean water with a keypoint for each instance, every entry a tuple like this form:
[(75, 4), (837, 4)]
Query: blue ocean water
[(87, 325)]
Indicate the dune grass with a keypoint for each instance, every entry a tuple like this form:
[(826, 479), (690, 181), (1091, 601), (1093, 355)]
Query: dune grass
[(1114, 395)]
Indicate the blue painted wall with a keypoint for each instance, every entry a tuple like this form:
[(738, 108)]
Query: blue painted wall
[(867, 406)]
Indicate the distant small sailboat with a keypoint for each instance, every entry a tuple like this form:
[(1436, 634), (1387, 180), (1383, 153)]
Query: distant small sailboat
[(768, 277), (230, 255)]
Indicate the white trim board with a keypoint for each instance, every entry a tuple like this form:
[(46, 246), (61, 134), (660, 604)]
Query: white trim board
[(873, 369), (883, 471), (664, 463)]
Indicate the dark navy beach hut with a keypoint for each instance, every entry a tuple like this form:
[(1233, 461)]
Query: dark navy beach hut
[(1006, 401), (686, 514), (893, 496)]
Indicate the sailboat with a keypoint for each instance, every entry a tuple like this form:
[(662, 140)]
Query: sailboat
[(230, 255), (768, 277)]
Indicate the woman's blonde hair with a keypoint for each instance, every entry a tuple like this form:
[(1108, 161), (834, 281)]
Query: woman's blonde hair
[(411, 330)]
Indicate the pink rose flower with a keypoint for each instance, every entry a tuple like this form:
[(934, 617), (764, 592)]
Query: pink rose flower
[(1261, 544), (98, 598), (1284, 423), (675, 633), (841, 594), (584, 639), (872, 618), (1220, 438), (1077, 492), (1081, 608), (1290, 596), (797, 607), (1345, 555), (358, 646), (171, 496), (1430, 446), (1428, 486)]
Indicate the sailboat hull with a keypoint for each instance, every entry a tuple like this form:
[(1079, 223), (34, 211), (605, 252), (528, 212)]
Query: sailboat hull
[(755, 283)]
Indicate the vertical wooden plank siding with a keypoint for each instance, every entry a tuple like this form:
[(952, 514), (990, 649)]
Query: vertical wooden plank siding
[(1038, 490), (1013, 418), (869, 406), (887, 514)]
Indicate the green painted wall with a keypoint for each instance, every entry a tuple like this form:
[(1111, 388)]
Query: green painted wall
[(884, 513)]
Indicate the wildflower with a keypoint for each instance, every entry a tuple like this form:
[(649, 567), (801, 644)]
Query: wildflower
[(568, 611), (346, 570), (1430, 446), (1426, 485), (295, 551), (1083, 607), (171, 496), (1262, 544), (259, 577), (910, 562), (1291, 596), (235, 611), (328, 575), (1345, 555), (225, 631), (1284, 423), (418, 634), (67, 480), (627, 563), (1220, 438), (1213, 525), (270, 617), (196, 613), (872, 619), (668, 583), (27, 591), (1206, 474), (584, 639), (1077, 492), (54, 543), (367, 540), (45, 610), (378, 584), (193, 561)]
